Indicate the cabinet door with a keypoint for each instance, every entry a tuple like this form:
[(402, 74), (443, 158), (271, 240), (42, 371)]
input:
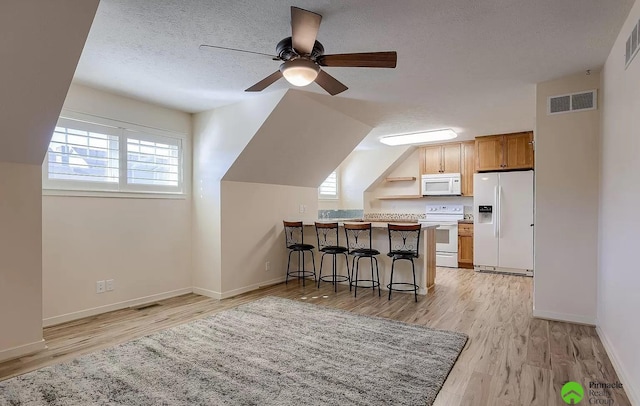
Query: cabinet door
[(431, 160), (465, 252), (451, 157), (489, 153), (518, 150), (468, 167)]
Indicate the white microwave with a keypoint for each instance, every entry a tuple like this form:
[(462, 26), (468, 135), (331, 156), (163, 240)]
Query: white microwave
[(441, 184)]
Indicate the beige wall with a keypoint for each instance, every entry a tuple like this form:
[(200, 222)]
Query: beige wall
[(618, 276), (143, 244), (253, 232), (21, 260), (566, 218)]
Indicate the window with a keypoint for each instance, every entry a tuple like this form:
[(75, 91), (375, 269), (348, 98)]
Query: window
[(329, 188), (96, 157)]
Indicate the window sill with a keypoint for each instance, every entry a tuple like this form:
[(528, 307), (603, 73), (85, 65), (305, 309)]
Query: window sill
[(113, 194)]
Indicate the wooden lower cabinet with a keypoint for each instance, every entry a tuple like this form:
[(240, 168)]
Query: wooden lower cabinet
[(465, 245)]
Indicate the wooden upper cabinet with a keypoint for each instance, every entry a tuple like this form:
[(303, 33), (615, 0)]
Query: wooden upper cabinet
[(489, 153), (451, 157), (468, 167), (518, 150), (504, 152), (431, 160), (444, 158)]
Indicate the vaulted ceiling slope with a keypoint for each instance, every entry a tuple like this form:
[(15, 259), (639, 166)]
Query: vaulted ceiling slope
[(40, 44), (467, 64), (299, 144)]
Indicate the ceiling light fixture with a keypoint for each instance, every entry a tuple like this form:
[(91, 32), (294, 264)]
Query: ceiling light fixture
[(419, 138), (300, 72)]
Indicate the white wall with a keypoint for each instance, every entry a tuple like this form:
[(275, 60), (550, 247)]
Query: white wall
[(21, 260), (407, 165), (566, 219), (143, 244), (220, 135), (619, 276), (253, 231), (40, 47), (360, 170)]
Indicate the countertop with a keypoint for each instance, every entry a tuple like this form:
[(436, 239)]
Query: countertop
[(465, 221), (374, 224)]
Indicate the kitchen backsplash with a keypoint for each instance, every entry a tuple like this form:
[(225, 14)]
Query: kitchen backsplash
[(340, 214), (394, 216)]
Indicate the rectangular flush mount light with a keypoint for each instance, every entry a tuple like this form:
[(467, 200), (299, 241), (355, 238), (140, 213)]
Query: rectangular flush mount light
[(419, 138)]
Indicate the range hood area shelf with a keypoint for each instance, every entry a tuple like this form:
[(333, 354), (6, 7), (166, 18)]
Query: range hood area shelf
[(396, 197), (401, 178)]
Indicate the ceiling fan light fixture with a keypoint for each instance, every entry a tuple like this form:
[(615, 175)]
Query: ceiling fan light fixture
[(300, 72), (419, 137)]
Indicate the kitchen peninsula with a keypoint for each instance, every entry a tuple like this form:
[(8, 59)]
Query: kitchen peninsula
[(425, 264)]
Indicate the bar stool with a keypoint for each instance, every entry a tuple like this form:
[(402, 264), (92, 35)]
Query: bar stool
[(294, 241), (329, 244), (404, 241), (359, 245)]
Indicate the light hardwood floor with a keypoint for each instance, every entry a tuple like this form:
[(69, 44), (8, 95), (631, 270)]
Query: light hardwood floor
[(510, 358)]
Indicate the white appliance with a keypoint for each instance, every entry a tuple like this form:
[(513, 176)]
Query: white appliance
[(441, 184), (503, 222), (447, 233)]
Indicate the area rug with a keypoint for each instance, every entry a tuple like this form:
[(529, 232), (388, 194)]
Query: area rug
[(272, 351)]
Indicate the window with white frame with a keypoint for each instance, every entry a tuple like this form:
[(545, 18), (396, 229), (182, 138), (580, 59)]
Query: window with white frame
[(329, 188), (95, 157)]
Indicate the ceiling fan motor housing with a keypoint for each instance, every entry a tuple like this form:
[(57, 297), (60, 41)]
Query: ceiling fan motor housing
[(285, 50)]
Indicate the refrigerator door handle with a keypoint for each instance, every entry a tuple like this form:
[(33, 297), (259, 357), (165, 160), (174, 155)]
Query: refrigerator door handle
[(495, 214), (499, 210)]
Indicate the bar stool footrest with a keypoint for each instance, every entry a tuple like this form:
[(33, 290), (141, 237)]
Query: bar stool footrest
[(301, 274), (339, 278), (412, 289), (374, 283)]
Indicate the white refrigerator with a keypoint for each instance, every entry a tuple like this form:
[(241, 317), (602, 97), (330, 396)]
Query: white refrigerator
[(503, 222)]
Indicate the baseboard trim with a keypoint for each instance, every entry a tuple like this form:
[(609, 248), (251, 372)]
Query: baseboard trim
[(208, 293), (570, 318), (22, 350), (245, 289), (52, 321), (633, 396)]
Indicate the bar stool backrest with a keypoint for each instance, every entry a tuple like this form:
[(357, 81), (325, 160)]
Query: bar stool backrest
[(404, 239), (293, 233), (358, 236), (327, 234)]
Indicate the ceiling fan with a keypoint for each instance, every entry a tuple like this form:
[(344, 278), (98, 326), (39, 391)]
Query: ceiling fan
[(303, 57)]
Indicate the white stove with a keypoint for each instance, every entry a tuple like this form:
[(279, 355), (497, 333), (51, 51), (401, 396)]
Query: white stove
[(446, 216)]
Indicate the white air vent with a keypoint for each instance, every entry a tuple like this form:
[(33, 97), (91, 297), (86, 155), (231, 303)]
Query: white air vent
[(632, 45), (567, 103)]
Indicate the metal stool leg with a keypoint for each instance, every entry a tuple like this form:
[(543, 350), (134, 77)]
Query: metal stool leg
[(286, 280), (320, 271), (335, 282), (355, 288), (378, 275), (393, 263), (313, 259), (301, 262), (415, 286)]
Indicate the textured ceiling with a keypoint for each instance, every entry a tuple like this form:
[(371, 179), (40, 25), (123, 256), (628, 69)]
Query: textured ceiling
[(470, 65)]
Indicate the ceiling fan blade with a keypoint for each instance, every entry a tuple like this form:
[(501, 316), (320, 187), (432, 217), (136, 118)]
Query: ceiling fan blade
[(205, 46), (304, 29), (362, 60), (266, 82), (332, 85)]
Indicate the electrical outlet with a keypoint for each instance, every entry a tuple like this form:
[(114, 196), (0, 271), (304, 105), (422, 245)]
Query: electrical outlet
[(110, 285), (267, 266), (100, 287)]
